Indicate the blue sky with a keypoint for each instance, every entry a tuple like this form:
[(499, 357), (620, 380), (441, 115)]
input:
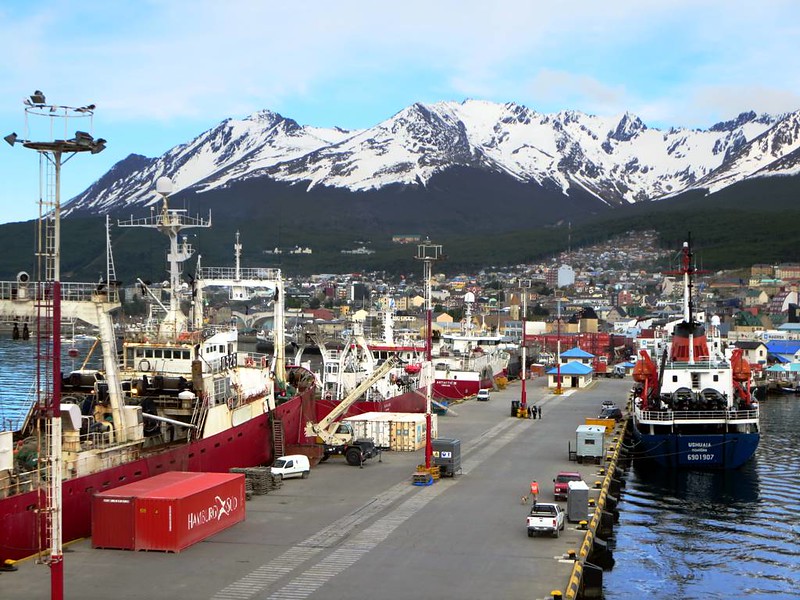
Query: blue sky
[(162, 72)]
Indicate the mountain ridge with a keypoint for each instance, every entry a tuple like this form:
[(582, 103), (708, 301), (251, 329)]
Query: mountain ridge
[(619, 160)]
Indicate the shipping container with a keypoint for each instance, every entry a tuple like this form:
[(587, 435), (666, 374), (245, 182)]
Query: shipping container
[(168, 512), (401, 432)]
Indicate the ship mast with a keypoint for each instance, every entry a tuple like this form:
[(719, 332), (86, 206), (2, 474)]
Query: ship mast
[(171, 222)]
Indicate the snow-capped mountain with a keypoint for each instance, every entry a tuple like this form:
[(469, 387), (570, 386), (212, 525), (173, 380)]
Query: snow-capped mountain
[(615, 159)]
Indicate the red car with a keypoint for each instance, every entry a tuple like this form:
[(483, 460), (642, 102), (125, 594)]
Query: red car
[(561, 483)]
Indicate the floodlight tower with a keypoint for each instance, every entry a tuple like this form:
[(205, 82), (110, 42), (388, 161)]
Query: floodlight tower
[(53, 153), (558, 389), (524, 285), (428, 253)]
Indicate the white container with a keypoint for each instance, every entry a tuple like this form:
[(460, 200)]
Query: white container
[(402, 432)]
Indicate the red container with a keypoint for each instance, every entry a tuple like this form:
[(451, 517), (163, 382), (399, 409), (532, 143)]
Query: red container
[(167, 512)]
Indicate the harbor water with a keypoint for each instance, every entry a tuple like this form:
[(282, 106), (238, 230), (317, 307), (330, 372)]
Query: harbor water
[(733, 534), (18, 371)]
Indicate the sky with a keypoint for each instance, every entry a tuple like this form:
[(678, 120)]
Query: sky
[(161, 72)]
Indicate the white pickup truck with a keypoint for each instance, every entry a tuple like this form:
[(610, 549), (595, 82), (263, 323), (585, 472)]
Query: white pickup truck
[(545, 517)]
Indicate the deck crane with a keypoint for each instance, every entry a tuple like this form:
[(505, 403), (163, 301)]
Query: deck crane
[(338, 437)]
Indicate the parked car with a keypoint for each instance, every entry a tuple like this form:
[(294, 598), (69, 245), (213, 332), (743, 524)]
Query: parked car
[(483, 395), (561, 483), (611, 413), (545, 518), (294, 465), (608, 404)]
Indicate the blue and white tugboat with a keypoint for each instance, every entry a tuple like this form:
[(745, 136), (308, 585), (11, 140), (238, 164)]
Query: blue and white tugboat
[(693, 407)]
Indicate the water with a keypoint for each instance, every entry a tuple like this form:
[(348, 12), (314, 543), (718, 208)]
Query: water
[(17, 374), (734, 534)]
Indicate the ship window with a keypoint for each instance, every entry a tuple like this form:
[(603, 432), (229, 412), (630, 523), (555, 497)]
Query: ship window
[(148, 353), (716, 377), (674, 379)]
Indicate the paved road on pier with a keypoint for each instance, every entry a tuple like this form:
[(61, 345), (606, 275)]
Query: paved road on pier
[(349, 534)]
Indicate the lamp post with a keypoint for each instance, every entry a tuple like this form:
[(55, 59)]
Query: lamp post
[(558, 389), (53, 153), (524, 284), (428, 253)]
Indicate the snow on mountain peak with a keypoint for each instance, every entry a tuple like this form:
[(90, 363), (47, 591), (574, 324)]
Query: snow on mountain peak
[(618, 159)]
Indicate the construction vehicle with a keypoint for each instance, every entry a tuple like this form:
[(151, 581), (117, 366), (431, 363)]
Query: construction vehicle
[(337, 437)]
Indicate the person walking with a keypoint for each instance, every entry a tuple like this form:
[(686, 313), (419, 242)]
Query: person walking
[(540, 412)]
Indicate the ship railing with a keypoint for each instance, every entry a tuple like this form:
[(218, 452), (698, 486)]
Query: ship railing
[(248, 273), (104, 440), (70, 292), (698, 364), (689, 416)]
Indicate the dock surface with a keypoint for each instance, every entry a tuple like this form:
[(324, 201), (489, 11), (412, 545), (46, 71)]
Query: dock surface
[(349, 533)]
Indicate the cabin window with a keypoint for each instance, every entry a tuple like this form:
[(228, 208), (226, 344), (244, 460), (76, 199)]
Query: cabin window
[(148, 353), (716, 377), (674, 379), (185, 354)]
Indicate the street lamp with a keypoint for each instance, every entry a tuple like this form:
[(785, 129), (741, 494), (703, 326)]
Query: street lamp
[(49, 314), (428, 253), (558, 389), (524, 285)]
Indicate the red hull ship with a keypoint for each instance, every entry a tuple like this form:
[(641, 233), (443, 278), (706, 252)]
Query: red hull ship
[(178, 395)]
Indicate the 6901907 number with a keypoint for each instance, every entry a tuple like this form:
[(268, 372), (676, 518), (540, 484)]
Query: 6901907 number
[(700, 457)]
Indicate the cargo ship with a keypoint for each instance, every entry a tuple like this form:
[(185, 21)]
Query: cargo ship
[(177, 395), (692, 403)]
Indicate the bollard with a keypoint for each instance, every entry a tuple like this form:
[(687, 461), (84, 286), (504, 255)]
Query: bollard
[(8, 565), (571, 554), (556, 594), (583, 525)]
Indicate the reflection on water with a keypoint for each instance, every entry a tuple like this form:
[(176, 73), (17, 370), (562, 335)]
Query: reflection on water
[(732, 534)]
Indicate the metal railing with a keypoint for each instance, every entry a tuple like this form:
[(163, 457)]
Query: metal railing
[(253, 274), (70, 292), (671, 416)]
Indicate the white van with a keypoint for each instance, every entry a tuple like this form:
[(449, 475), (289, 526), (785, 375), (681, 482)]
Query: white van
[(295, 465)]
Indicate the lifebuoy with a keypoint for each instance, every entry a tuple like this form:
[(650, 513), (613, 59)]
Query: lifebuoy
[(263, 362), (248, 362), (144, 365)]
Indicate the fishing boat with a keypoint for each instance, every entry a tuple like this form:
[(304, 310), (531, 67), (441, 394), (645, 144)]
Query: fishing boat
[(402, 389), (467, 362), (178, 394), (692, 404)]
